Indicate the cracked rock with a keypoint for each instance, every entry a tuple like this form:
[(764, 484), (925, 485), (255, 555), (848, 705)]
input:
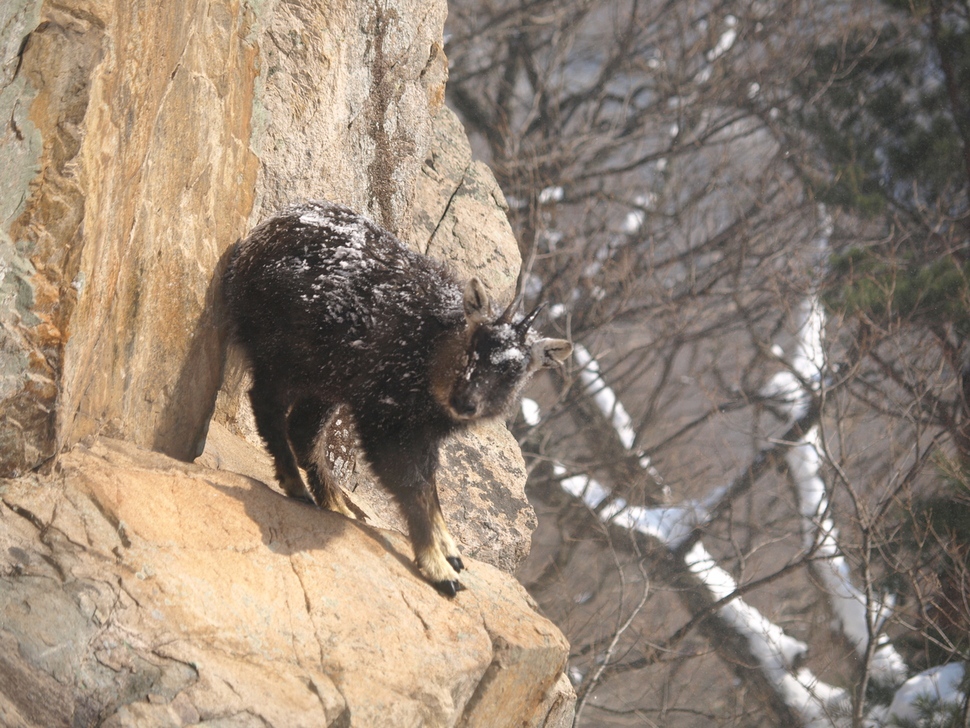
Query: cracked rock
[(232, 600)]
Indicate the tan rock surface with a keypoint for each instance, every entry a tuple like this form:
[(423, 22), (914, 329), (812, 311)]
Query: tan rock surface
[(481, 483), (194, 594), (143, 139), (460, 212), (345, 102)]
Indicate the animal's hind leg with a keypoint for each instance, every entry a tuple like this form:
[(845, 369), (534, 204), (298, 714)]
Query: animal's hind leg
[(270, 409), (306, 423)]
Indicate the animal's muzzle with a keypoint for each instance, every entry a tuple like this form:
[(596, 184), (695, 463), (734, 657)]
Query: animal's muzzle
[(464, 405)]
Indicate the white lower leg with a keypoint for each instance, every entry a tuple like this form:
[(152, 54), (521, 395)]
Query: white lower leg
[(434, 565)]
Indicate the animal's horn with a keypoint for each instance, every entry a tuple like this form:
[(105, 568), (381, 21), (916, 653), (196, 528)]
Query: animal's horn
[(506, 317), (530, 317)]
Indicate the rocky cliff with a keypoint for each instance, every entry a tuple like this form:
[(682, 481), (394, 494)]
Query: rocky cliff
[(147, 574)]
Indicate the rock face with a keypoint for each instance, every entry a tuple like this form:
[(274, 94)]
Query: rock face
[(144, 139), (481, 484), (460, 212), (137, 121), (139, 591), (141, 139)]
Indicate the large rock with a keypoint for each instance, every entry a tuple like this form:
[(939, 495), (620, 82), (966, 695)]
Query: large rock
[(140, 140), (143, 139), (460, 212), (137, 127), (344, 103), (133, 177), (481, 483), (138, 590)]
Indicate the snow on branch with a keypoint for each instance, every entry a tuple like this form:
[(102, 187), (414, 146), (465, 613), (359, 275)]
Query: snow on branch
[(933, 692), (677, 527), (609, 404), (775, 651), (793, 389), (604, 396)]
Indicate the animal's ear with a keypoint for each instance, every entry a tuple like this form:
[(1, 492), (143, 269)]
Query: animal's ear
[(478, 309), (551, 352)]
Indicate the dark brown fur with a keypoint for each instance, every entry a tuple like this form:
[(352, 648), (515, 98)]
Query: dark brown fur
[(333, 310)]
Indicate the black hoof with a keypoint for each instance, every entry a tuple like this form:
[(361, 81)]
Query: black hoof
[(456, 562), (449, 588)]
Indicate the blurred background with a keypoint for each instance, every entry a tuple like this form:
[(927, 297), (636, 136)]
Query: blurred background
[(753, 219)]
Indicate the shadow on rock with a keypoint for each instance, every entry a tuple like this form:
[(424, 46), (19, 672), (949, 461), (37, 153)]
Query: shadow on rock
[(290, 526)]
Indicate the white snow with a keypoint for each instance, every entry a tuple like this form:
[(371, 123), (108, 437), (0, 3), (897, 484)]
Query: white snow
[(634, 221), (635, 218), (775, 651), (853, 612), (315, 217), (817, 704), (530, 412), (583, 487), (726, 41), (669, 524), (551, 194), (352, 232), (500, 356), (604, 396), (769, 643), (609, 404), (940, 684)]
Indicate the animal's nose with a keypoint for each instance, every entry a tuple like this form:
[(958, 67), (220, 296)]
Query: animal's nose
[(464, 406)]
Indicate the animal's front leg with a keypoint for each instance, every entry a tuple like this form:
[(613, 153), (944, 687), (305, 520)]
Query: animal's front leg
[(409, 474), (434, 548), (442, 535)]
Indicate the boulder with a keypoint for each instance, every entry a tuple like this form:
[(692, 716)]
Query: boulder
[(481, 484), (460, 212), (140, 590)]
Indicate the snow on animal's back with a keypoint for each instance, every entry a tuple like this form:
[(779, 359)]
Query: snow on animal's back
[(331, 265), (360, 266)]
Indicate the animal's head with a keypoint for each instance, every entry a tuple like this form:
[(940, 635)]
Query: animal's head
[(497, 356)]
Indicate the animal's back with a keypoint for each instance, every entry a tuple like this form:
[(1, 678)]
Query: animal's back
[(321, 293)]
